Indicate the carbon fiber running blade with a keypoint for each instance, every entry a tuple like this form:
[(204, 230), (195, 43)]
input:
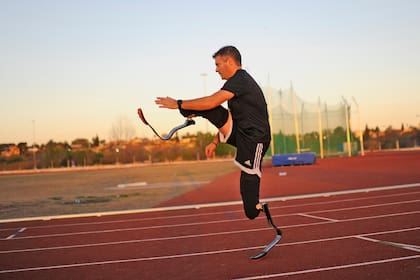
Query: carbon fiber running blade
[(275, 240), (141, 116), (267, 248)]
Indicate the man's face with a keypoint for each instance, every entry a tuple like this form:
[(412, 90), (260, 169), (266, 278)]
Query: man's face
[(222, 66)]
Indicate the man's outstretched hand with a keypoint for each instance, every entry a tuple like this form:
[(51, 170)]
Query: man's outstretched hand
[(166, 102)]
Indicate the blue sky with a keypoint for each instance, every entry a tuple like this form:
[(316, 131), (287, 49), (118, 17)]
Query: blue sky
[(70, 69)]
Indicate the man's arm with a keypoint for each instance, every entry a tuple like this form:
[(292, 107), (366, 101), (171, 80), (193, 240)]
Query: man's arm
[(211, 148), (201, 103)]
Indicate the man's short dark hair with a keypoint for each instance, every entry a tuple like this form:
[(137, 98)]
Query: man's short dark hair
[(230, 51)]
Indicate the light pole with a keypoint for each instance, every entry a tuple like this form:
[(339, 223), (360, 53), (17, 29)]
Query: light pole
[(347, 108), (362, 149), (34, 149)]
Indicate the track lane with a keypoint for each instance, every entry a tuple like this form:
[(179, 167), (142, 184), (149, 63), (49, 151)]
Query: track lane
[(345, 235), (292, 230)]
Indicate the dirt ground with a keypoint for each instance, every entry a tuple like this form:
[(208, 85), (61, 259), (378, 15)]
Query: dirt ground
[(58, 192)]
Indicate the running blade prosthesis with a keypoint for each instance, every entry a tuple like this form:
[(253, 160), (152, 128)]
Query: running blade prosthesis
[(187, 122), (275, 240)]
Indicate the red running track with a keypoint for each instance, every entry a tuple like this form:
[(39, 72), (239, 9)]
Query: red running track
[(367, 227)]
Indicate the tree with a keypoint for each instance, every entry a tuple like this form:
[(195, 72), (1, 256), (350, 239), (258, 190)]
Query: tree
[(23, 147), (95, 141), (81, 142), (55, 153), (201, 141), (122, 129)]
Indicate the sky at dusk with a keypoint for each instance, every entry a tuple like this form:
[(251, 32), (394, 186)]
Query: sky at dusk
[(72, 69)]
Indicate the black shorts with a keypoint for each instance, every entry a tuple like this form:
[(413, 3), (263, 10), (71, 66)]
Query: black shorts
[(249, 154)]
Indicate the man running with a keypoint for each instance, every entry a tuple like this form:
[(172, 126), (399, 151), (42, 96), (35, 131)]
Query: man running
[(245, 125)]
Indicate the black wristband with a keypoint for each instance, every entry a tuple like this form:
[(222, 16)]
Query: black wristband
[(179, 101)]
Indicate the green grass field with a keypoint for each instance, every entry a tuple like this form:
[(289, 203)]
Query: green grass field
[(111, 189)]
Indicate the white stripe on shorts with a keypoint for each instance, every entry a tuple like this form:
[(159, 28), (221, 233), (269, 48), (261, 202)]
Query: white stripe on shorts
[(256, 170)]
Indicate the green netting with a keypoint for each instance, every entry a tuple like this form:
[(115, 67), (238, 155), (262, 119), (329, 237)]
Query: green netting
[(298, 125)]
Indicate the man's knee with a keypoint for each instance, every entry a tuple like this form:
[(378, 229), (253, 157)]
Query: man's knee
[(217, 116), (250, 192), (252, 212)]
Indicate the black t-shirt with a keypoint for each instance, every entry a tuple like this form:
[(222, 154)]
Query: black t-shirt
[(248, 107)]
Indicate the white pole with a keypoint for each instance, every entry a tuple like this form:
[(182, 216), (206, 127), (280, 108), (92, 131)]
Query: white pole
[(347, 107), (283, 125), (34, 150), (362, 149), (302, 133), (321, 136), (295, 119)]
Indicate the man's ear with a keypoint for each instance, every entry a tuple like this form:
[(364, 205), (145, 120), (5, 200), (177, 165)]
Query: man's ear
[(230, 61)]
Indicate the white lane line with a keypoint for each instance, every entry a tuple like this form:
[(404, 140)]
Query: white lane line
[(202, 235), (410, 247), (168, 217), (232, 220), (194, 254), (134, 241), (124, 260), (329, 268), (317, 217), (218, 204), (15, 234)]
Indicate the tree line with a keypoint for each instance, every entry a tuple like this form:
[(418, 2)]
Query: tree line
[(85, 152)]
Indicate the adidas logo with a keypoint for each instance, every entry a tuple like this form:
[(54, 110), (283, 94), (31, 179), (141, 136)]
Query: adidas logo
[(248, 162)]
